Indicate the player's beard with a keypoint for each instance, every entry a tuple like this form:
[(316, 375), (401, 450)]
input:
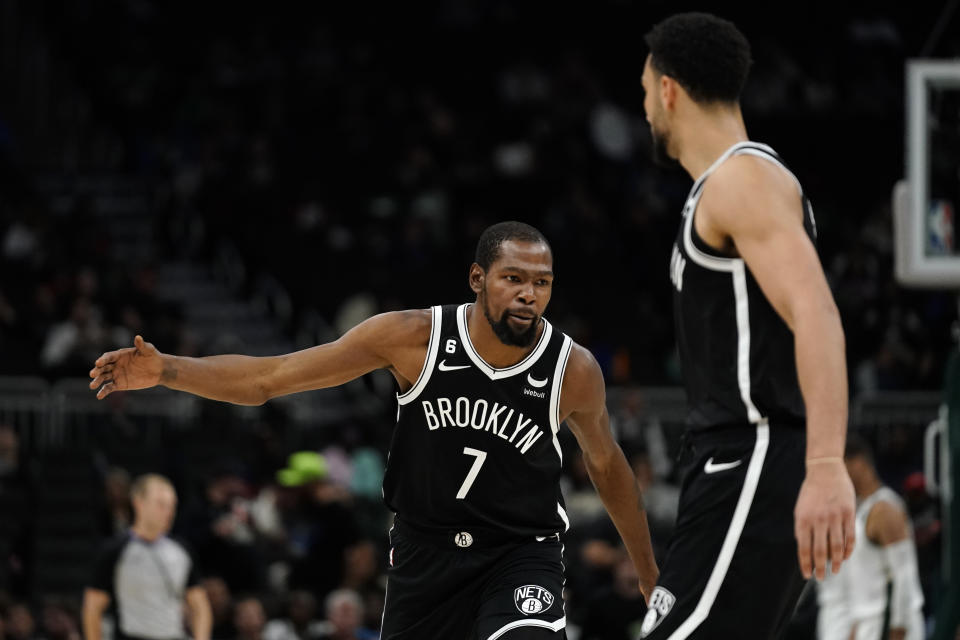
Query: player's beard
[(504, 331), (661, 157)]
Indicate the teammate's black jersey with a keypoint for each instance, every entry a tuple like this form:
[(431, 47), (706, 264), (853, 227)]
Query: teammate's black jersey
[(475, 446), (737, 353)]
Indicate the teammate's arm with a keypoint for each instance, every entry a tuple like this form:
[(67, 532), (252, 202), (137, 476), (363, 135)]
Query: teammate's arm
[(95, 602), (757, 205), (376, 343), (887, 527), (199, 615), (583, 402)]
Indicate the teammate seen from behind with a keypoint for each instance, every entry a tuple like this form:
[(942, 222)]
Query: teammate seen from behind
[(766, 499), (146, 577), (474, 466)]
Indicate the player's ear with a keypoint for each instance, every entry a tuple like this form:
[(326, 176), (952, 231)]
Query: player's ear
[(476, 278), (668, 91)]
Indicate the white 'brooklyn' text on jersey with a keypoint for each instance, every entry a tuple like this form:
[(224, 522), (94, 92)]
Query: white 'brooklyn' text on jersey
[(737, 353), (476, 447)]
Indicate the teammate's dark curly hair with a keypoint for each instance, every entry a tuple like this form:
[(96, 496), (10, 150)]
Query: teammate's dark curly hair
[(706, 55), (488, 246), (857, 447)]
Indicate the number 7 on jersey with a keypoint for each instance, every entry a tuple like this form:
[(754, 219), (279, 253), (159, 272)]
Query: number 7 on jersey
[(474, 470)]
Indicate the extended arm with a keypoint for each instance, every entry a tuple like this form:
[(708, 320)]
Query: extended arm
[(95, 602), (394, 340), (887, 526), (199, 615), (757, 206), (583, 400)]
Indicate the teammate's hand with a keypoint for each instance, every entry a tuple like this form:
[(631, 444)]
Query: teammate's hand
[(823, 518), (137, 367)]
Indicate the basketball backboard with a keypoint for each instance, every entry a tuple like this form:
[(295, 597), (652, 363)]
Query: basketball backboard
[(927, 251)]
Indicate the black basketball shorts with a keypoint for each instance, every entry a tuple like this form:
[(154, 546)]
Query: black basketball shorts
[(731, 568), (463, 586)]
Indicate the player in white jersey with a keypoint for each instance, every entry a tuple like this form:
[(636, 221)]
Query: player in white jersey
[(885, 553), (833, 620)]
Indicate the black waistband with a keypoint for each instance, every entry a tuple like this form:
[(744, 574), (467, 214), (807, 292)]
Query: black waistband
[(464, 537)]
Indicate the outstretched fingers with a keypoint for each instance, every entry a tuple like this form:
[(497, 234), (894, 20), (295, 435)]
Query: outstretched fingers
[(105, 390), (106, 358)]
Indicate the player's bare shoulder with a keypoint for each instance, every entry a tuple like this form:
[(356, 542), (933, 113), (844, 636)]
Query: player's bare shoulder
[(402, 337), (583, 386), (409, 327), (887, 523), (746, 190)]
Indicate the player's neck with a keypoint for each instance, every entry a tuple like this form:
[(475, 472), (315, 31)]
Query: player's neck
[(145, 533), (488, 346), (867, 486), (706, 134)]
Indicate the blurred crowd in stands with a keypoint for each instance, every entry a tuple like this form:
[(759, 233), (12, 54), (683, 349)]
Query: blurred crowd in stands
[(342, 156), (354, 155)]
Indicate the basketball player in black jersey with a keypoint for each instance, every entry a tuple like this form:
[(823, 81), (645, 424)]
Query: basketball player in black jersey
[(474, 466), (762, 351)]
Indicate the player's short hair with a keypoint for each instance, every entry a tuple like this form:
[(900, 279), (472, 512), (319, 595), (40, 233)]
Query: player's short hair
[(142, 484), (707, 55), (488, 246), (858, 447)]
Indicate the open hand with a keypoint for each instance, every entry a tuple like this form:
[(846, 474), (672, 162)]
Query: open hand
[(137, 367), (823, 519)]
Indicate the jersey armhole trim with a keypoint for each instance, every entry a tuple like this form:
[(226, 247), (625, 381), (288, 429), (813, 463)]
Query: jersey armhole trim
[(429, 361), (716, 263), (705, 260), (555, 389), (769, 157)]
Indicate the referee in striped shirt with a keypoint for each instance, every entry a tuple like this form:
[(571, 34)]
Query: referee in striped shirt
[(143, 577)]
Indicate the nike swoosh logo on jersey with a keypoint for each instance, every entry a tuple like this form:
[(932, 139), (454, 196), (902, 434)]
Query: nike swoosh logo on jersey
[(451, 367), (533, 382), (710, 467)]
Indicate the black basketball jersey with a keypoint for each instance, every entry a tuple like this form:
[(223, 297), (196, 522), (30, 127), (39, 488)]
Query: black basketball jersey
[(736, 352), (475, 447)]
